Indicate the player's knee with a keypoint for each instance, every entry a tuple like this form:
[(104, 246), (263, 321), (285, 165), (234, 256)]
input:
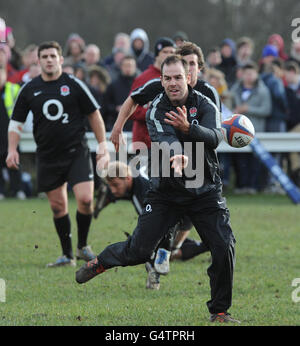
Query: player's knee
[(57, 208), (86, 201)]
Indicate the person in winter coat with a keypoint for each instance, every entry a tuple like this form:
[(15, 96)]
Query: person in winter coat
[(252, 98), (229, 62), (140, 49)]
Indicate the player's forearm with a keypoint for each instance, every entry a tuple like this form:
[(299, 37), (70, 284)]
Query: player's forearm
[(210, 137), (127, 108), (98, 126), (13, 141), (14, 134)]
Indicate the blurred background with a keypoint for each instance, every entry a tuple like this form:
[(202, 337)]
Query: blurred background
[(109, 43), (206, 22)]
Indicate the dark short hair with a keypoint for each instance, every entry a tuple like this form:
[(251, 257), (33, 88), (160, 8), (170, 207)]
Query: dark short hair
[(250, 65), (50, 44), (173, 59), (292, 66), (191, 48), (127, 57)]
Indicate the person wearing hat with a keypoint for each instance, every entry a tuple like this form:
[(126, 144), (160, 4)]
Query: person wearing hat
[(269, 53), (229, 61), (164, 47), (180, 37), (139, 48)]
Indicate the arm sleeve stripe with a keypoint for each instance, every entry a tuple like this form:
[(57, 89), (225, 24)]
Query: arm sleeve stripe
[(140, 89), (137, 204), (153, 111), (86, 90), (218, 114), (216, 95), (15, 126)]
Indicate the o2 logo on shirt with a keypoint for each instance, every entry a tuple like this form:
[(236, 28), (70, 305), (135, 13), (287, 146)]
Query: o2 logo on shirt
[(60, 111)]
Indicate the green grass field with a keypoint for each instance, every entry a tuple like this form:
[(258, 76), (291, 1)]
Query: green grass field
[(267, 230)]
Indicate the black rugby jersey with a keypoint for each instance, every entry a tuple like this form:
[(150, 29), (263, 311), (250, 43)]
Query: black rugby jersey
[(153, 87), (59, 108), (205, 126)]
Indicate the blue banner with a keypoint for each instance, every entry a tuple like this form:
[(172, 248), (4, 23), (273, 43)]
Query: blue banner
[(268, 160)]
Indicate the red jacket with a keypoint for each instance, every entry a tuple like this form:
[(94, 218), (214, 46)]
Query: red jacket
[(139, 128)]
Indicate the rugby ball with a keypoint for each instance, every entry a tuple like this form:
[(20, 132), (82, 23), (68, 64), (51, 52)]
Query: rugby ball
[(238, 131)]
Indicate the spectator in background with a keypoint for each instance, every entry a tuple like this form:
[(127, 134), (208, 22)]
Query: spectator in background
[(229, 62), (80, 71), (252, 98), (140, 49), (5, 55), (92, 55), (16, 57), (68, 68), (74, 49), (276, 122), (216, 78), (98, 79), (179, 38), (245, 48), (114, 68), (277, 41), (121, 40), (279, 69), (8, 95), (292, 76), (29, 58), (269, 53), (295, 52), (117, 92), (214, 58)]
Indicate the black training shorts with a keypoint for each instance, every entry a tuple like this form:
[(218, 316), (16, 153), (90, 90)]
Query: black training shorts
[(74, 167)]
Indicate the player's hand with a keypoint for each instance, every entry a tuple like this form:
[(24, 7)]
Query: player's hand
[(117, 138), (179, 162), (178, 120), (102, 156), (13, 160)]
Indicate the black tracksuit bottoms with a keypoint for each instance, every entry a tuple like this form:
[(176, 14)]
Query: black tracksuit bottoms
[(211, 219)]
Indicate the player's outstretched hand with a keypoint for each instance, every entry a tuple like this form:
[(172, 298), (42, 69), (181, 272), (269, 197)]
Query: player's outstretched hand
[(13, 160), (178, 120), (179, 162), (117, 138)]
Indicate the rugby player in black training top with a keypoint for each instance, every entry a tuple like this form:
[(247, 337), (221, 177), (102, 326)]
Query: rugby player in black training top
[(147, 92), (193, 55), (169, 120), (60, 103)]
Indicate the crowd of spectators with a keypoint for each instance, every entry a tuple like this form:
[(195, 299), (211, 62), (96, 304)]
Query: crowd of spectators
[(267, 89)]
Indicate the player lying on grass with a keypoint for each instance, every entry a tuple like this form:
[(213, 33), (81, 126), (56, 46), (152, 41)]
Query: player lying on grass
[(120, 184), (134, 189)]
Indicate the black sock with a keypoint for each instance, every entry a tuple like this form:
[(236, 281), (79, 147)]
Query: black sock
[(63, 228), (83, 225)]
